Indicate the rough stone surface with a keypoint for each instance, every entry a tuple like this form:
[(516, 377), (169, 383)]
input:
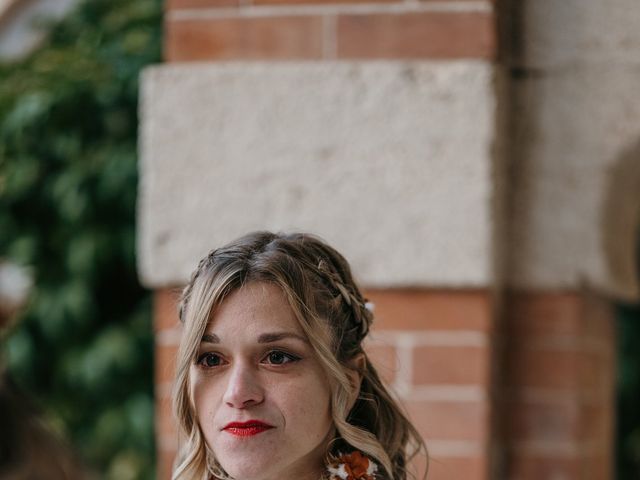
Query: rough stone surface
[(388, 161), (576, 162), (561, 33), (576, 197)]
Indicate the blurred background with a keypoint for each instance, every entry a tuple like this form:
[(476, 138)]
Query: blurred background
[(77, 329), (81, 346)]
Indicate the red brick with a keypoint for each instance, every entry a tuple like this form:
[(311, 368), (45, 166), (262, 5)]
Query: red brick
[(591, 372), (451, 365), (600, 467), (544, 314), (165, 364), (530, 467), (450, 420), (318, 2), (544, 368), (558, 421), (165, 464), (244, 39), (598, 373), (457, 468), (179, 4), (418, 465), (385, 360), (437, 35), (562, 341), (416, 309), (597, 423), (165, 309), (599, 318), (165, 423)]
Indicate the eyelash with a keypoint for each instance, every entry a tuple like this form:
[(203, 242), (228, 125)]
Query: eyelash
[(290, 358)]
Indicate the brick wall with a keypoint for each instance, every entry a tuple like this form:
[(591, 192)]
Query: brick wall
[(433, 349), (320, 30), (558, 390), (433, 346), (519, 390)]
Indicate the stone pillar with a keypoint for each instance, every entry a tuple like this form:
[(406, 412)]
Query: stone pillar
[(355, 137), (558, 394), (435, 345), (446, 162), (377, 196), (574, 208)]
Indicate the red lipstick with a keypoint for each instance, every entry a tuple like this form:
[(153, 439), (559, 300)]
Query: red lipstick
[(247, 429)]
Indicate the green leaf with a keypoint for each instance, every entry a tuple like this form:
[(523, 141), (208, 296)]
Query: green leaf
[(68, 180)]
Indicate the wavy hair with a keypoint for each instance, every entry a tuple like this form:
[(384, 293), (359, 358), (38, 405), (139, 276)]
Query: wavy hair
[(333, 313)]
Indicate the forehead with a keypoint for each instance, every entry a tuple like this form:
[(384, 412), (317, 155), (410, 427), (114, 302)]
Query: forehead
[(256, 306)]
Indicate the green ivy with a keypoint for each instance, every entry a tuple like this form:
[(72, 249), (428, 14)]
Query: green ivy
[(628, 392), (83, 345)]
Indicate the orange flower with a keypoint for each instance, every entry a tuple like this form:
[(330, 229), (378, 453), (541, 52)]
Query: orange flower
[(353, 466)]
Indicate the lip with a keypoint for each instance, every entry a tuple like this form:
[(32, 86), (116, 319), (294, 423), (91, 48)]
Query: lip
[(247, 429)]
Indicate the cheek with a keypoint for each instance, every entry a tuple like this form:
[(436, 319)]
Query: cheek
[(308, 409), (205, 397), (198, 391)]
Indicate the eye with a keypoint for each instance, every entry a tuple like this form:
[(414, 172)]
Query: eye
[(278, 357), (210, 360)]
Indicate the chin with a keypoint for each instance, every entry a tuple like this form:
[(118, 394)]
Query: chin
[(247, 467), (248, 472)]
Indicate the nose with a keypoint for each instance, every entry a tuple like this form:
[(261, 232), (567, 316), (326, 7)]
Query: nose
[(243, 388)]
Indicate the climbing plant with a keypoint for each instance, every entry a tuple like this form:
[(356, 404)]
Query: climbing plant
[(628, 392), (68, 131)]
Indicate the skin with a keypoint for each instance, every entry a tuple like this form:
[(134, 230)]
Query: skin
[(243, 374)]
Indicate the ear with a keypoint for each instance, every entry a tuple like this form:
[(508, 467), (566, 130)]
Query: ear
[(357, 366)]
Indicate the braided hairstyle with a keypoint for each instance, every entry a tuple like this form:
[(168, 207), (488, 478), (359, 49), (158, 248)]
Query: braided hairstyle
[(333, 313)]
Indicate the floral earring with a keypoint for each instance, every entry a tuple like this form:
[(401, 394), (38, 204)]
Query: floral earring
[(352, 466)]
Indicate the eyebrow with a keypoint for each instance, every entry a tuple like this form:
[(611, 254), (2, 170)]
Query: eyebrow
[(263, 338)]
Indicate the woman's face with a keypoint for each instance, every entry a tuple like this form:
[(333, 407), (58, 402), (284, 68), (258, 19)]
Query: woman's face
[(261, 397)]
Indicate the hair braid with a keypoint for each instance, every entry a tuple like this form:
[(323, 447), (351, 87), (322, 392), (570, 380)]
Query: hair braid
[(362, 315), (335, 318), (186, 291)]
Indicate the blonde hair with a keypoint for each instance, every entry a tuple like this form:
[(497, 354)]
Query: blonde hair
[(320, 289)]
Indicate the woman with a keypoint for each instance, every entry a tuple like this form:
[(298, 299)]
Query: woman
[(272, 381)]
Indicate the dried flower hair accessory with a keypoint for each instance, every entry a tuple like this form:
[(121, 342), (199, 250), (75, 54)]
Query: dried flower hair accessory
[(352, 466)]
